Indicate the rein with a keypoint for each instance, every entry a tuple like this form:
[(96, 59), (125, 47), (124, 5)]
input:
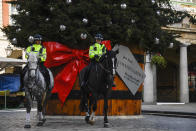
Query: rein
[(36, 75), (104, 68)]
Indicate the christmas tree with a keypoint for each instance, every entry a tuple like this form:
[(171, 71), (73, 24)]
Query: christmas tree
[(75, 22)]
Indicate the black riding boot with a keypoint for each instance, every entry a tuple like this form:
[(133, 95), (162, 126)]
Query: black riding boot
[(113, 83), (22, 74), (110, 81), (86, 74), (45, 73), (85, 79)]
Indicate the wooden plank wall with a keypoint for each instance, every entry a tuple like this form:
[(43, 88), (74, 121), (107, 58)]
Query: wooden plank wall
[(121, 101)]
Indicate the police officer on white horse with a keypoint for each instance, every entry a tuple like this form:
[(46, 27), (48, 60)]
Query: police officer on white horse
[(37, 47)]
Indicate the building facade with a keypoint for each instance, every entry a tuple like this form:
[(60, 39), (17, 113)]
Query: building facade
[(6, 10), (177, 82)]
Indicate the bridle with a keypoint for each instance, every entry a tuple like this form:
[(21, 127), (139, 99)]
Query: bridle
[(108, 71), (36, 71)]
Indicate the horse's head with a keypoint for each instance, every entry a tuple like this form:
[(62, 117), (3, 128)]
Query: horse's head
[(109, 61), (32, 63)]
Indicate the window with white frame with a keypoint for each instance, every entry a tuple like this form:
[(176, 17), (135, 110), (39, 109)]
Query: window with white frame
[(12, 10)]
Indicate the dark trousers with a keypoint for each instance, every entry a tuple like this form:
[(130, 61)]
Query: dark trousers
[(86, 75)]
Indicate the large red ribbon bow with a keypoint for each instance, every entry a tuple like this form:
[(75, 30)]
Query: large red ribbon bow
[(75, 60)]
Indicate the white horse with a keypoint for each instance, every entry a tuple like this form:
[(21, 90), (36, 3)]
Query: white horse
[(35, 86)]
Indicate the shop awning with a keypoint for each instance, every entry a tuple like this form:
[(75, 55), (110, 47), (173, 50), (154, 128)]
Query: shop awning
[(10, 62)]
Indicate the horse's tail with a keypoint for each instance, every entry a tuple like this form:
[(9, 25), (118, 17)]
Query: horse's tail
[(51, 85), (47, 93)]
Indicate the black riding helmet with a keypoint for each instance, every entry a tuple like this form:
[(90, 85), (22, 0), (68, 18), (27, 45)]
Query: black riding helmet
[(37, 37), (99, 37)]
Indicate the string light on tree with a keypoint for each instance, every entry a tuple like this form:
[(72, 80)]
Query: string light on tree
[(31, 39), (22, 10), (14, 41), (18, 7), (27, 13), (158, 12), (171, 45), (18, 30), (68, 1), (153, 1), (85, 20), (51, 8), (62, 27), (47, 19), (132, 21), (110, 23), (123, 6), (156, 40), (83, 36)]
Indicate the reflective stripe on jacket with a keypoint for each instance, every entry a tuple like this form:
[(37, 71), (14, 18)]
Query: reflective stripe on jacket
[(37, 48)]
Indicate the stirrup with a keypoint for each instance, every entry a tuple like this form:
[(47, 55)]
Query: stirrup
[(113, 84), (83, 84)]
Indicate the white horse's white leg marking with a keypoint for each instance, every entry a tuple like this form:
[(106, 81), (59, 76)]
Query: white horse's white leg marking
[(27, 122), (40, 116)]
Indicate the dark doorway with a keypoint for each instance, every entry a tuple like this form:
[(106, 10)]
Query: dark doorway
[(167, 83)]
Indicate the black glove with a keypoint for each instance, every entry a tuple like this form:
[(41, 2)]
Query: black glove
[(96, 56), (39, 60)]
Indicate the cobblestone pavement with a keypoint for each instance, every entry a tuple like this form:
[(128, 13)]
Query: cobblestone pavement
[(13, 120)]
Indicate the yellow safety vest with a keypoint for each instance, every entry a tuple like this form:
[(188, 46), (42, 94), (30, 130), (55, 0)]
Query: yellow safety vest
[(97, 49), (37, 48)]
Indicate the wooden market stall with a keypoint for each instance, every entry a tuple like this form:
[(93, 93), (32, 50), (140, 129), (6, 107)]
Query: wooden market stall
[(121, 101)]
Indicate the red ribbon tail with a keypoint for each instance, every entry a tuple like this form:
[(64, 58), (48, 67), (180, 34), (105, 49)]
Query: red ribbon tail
[(64, 82)]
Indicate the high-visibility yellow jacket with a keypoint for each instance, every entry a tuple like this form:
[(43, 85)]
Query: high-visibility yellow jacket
[(37, 48), (97, 49)]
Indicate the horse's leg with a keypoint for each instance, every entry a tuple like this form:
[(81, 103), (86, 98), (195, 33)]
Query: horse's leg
[(84, 103), (94, 103), (85, 106), (28, 108), (39, 108), (89, 108), (106, 123), (44, 102)]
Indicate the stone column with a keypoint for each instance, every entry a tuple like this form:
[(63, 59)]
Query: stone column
[(184, 89), (149, 94)]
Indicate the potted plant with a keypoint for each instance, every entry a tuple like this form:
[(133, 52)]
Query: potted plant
[(158, 60)]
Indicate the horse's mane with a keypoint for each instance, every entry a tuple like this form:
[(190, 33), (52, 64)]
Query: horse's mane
[(32, 57)]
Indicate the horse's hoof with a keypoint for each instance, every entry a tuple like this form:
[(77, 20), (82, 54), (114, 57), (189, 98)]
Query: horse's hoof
[(92, 122), (106, 125), (40, 124), (27, 126), (87, 119)]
